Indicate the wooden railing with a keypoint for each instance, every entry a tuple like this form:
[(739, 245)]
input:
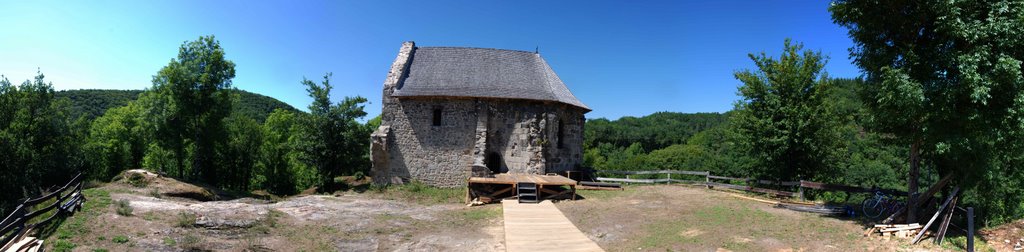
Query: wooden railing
[(24, 217), (749, 184)]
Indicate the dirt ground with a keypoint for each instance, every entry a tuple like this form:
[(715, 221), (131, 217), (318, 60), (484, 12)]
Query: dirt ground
[(1006, 237), (689, 218), (165, 215), (344, 222)]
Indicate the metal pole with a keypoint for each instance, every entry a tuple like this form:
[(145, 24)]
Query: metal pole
[(970, 229)]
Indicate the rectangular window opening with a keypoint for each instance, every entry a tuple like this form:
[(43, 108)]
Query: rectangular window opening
[(437, 116)]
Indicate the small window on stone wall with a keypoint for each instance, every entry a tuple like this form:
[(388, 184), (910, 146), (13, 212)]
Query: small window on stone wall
[(561, 134), (437, 116)]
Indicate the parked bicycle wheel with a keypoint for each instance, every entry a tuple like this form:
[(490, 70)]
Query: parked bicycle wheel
[(872, 208)]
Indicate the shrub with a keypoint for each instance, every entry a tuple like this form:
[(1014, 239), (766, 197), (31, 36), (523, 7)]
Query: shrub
[(185, 220), (191, 243), (137, 179), (123, 207)]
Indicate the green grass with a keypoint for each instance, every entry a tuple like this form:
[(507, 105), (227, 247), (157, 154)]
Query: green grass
[(170, 241), (422, 193), (477, 214), (959, 243), (120, 239), (75, 226)]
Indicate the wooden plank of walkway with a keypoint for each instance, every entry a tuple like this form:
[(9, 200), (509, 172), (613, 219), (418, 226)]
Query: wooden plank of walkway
[(542, 227)]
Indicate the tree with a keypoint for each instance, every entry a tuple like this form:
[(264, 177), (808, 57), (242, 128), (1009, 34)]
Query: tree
[(785, 118), (946, 79), (39, 140), (240, 154), (193, 100), (117, 141), (274, 172), (334, 141)]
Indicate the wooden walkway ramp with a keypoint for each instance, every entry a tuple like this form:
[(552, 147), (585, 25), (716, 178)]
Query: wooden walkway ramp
[(541, 227)]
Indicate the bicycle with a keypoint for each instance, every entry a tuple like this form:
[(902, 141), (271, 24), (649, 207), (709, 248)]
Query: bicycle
[(881, 204)]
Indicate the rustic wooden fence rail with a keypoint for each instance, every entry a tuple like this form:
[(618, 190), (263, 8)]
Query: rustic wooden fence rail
[(24, 217), (749, 183)]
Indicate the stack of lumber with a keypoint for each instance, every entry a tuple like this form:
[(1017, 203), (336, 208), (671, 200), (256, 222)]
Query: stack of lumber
[(895, 230), (27, 244)]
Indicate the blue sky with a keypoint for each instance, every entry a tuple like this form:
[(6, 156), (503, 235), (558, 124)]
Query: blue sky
[(621, 58)]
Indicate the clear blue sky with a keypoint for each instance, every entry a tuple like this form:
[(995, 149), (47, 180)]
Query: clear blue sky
[(622, 58)]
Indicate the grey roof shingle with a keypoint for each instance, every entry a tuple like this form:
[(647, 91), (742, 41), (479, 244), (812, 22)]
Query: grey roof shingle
[(482, 72)]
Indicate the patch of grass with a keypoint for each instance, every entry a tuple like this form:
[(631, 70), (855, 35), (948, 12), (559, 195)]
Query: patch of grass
[(120, 239), (601, 194), (97, 201), (149, 216), (481, 213), (268, 222), (63, 245), (155, 193), (100, 250), (185, 219), (168, 241), (960, 243), (123, 207), (423, 194), (191, 243)]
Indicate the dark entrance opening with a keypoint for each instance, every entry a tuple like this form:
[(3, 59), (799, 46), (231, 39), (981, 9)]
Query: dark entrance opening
[(493, 162)]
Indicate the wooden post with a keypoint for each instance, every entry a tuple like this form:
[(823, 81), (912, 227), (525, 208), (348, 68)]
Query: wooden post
[(970, 229), (627, 177), (800, 192), (707, 180), (669, 176)]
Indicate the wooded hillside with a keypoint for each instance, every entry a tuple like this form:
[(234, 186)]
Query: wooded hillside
[(92, 103)]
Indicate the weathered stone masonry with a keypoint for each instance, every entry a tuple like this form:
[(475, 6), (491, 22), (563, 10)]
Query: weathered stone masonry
[(441, 139)]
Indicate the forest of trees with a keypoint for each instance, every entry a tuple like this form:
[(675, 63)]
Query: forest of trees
[(92, 103), (191, 124)]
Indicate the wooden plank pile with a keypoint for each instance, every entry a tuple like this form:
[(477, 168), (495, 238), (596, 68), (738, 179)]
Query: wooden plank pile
[(28, 244), (895, 230)]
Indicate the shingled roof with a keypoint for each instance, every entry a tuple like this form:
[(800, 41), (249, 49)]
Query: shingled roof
[(482, 72)]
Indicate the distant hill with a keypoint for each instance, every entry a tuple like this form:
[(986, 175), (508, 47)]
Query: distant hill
[(92, 103), (654, 131)]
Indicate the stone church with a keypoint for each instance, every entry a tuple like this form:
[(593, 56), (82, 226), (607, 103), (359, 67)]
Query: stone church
[(452, 112)]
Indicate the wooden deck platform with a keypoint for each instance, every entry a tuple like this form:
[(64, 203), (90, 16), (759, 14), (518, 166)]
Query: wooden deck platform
[(542, 227), (503, 185)]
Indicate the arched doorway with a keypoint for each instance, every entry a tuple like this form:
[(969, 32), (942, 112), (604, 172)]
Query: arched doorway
[(493, 162)]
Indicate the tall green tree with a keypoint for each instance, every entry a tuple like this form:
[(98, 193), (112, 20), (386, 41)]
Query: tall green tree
[(118, 140), (946, 79), (39, 140), (194, 99), (335, 142), (790, 127)]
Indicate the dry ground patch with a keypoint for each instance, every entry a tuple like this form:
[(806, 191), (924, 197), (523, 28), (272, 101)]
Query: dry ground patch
[(383, 220), (690, 218)]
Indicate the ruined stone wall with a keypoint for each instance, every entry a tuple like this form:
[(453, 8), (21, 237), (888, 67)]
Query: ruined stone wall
[(435, 155), (514, 135), (525, 136)]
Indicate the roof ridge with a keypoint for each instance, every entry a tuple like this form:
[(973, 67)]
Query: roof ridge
[(478, 48)]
